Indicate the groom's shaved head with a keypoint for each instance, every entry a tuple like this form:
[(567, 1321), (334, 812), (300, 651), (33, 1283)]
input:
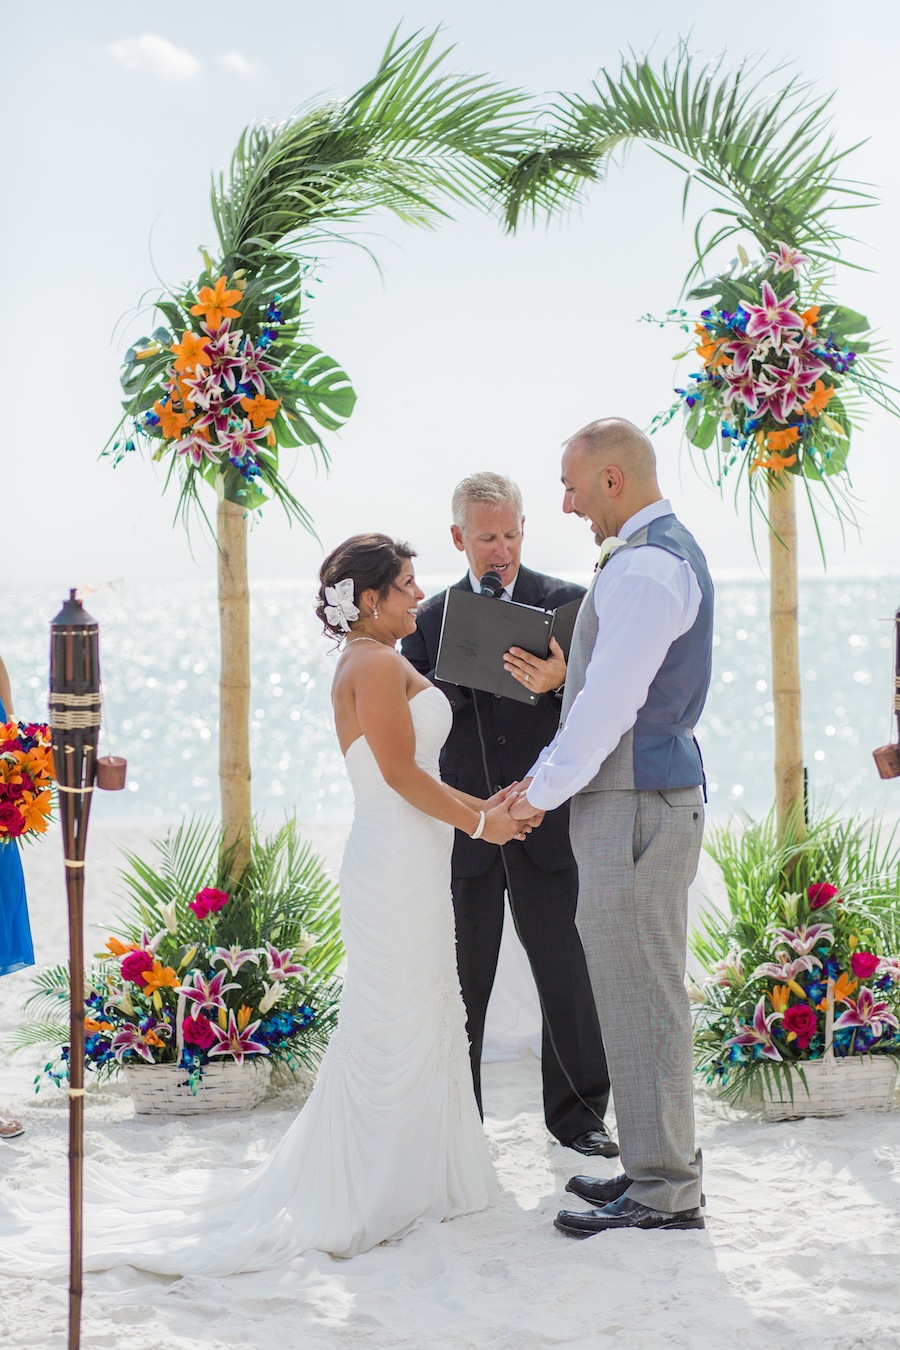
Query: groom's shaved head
[(614, 440)]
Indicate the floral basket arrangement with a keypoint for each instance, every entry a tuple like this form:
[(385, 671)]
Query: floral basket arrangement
[(202, 989), (801, 1005), (26, 778), (781, 369)]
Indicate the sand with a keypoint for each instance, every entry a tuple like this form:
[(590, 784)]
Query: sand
[(801, 1245)]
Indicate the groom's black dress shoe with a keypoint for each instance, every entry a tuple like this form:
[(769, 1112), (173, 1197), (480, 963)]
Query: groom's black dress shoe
[(599, 1192), (594, 1143), (624, 1213)]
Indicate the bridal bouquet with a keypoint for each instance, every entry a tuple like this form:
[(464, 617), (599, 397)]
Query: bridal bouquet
[(26, 775), (798, 957), (778, 365), (194, 976)]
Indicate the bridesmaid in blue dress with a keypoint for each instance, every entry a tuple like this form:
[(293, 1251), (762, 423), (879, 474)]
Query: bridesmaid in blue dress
[(16, 950)]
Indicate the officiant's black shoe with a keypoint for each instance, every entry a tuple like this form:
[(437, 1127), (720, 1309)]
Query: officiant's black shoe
[(624, 1213), (594, 1143), (599, 1192)]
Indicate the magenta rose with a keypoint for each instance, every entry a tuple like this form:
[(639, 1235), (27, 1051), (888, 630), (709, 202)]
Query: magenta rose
[(208, 901), (197, 1031), (801, 1019), (135, 965), (11, 820), (863, 964), (821, 893)]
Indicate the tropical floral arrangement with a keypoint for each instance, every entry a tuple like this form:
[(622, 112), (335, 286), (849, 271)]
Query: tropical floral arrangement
[(230, 380), (780, 365), (195, 975), (26, 776), (812, 923)]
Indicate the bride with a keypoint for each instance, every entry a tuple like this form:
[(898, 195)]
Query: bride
[(391, 1134)]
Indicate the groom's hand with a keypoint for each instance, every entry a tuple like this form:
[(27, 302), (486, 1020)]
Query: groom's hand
[(522, 809), (538, 676)]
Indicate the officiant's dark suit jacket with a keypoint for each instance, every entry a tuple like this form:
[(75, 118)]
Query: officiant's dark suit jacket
[(514, 733)]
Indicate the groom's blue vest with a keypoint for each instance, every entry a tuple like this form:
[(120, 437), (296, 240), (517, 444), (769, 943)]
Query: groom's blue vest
[(659, 752)]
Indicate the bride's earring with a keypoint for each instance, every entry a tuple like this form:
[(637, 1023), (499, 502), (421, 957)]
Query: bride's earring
[(375, 612)]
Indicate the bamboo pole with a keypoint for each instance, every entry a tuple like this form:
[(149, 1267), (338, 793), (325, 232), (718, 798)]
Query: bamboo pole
[(234, 682), (784, 620)]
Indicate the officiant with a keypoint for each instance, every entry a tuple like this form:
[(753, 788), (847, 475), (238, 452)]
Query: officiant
[(493, 742)]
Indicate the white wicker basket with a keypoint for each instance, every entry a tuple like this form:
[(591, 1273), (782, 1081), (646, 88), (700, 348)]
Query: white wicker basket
[(833, 1086), (225, 1086)]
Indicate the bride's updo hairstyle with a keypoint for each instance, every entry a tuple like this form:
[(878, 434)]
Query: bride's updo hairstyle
[(371, 561)]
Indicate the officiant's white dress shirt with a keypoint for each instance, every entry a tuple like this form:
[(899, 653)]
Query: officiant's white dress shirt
[(643, 603)]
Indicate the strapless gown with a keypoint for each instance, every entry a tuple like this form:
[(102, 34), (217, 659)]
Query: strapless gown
[(390, 1135), (16, 950)]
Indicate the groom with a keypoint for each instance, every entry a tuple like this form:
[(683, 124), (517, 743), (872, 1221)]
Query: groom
[(639, 671), (492, 742)]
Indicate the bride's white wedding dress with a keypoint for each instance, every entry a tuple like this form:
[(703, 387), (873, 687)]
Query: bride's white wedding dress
[(390, 1135)]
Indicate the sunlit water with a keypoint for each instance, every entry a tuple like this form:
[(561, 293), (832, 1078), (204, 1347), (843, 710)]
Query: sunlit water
[(160, 662)]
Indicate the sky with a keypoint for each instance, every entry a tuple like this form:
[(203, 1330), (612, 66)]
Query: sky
[(474, 349)]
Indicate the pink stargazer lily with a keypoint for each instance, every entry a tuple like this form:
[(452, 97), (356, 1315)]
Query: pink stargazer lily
[(785, 387), (203, 993), (241, 440), (865, 1012), (233, 957), (196, 447), (774, 320), (235, 1042), (254, 368), (132, 1038), (742, 349), (744, 389), (225, 350), (760, 1033), (281, 964), (890, 966), (787, 258), (803, 939), (784, 971)]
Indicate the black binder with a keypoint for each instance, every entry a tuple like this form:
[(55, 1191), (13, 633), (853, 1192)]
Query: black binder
[(478, 630)]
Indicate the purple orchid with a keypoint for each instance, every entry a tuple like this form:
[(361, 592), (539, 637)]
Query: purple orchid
[(774, 320), (233, 958), (784, 970), (254, 368), (786, 386), (866, 1012), (241, 440), (787, 258), (760, 1033), (281, 964), (235, 1042), (803, 939), (205, 993)]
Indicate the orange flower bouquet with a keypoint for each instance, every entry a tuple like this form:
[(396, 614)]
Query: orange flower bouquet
[(26, 776)]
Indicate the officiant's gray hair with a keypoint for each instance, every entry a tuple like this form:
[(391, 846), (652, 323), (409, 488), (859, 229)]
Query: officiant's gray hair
[(488, 489)]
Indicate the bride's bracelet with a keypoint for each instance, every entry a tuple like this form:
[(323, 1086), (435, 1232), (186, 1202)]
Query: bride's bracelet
[(479, 828)]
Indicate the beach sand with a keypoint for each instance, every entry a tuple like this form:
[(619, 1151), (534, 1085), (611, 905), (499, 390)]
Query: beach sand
[(801, 1244)]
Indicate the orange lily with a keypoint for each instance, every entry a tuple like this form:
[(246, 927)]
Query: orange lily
[(260, 409), (780, 997), (818, 399), (10, 771), (120, 948), (243, 1017), (707, 353), (173, 423), (780, 440), (191, 351), (91, 1026), (810, 316), (39, 762), (774, 463), (843, 987), (35, 808), (215, 302), (160, 977)]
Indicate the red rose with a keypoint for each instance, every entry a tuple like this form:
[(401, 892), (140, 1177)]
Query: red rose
[(802, 1020), (821, 893), (197, 1031), (12, 822), (9, 745), (135, 965), (863, 964), (208, 901)]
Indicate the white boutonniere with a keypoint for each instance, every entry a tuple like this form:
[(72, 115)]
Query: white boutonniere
[(608, 548)]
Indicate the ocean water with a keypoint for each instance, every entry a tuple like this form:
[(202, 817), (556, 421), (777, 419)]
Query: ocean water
[(160, 664)]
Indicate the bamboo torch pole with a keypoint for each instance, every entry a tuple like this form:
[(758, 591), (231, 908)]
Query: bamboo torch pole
[(234, 683), (784, 620), (75, 727)]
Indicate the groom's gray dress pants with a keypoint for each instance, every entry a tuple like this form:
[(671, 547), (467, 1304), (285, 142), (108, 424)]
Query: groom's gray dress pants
[(637, 854)]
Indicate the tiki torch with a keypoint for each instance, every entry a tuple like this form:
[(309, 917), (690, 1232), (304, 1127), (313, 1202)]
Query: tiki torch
[(75, 726)]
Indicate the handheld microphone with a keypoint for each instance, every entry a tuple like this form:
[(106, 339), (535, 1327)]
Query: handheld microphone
[(491, 584)]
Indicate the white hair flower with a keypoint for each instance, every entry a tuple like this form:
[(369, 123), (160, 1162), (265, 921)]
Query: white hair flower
[(340, 610)]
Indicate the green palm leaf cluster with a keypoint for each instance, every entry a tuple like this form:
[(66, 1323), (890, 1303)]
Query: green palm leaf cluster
[(414, 140)]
